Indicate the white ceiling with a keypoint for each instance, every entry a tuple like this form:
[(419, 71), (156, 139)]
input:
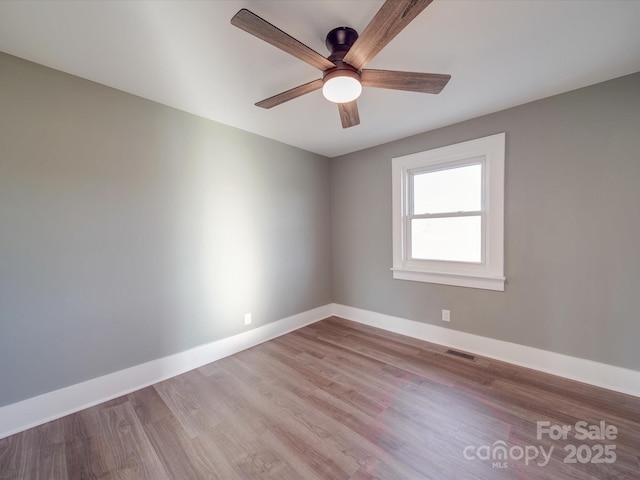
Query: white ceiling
[(186, 54)]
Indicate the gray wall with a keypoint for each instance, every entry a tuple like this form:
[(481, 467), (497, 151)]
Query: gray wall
[(130, 230), (572, 228)]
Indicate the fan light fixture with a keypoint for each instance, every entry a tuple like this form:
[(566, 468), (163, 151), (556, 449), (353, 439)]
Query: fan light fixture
[(341, 86)]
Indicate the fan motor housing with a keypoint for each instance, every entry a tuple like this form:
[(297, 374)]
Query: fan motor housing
[(339, 41)]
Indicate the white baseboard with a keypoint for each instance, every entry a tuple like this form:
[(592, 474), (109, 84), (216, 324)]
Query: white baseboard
[(35, 411), (611, 377)]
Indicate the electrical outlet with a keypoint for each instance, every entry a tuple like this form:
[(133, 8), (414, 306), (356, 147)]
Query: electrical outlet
[(446, 315), (247, 319)]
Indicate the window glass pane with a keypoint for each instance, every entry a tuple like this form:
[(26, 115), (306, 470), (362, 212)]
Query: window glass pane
[(452, 190), (456, 239)]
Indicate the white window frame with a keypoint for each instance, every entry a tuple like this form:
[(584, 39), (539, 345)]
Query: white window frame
[(487, 274)]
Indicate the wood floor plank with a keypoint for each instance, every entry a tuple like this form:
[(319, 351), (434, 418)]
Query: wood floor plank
[(186, 404), (209, 457), (252, 455), (333, 400), (47, 457), (174, 448), (84, 448), (15, 455), (148, 405), (129, 454)]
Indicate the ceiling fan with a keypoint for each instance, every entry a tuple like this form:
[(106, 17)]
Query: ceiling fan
[(344, 74)]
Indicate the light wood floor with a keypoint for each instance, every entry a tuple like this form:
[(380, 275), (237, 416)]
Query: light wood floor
[(334, 400)]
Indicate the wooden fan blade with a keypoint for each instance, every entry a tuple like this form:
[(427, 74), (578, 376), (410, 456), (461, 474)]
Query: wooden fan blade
[(258, 27), (349, 115), (290, 94), (409, 81), (391, 19)]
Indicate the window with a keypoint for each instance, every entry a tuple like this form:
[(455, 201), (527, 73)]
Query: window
[(448, 214)]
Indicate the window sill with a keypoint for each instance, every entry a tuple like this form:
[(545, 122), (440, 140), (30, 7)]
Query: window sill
[(457, 279)]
